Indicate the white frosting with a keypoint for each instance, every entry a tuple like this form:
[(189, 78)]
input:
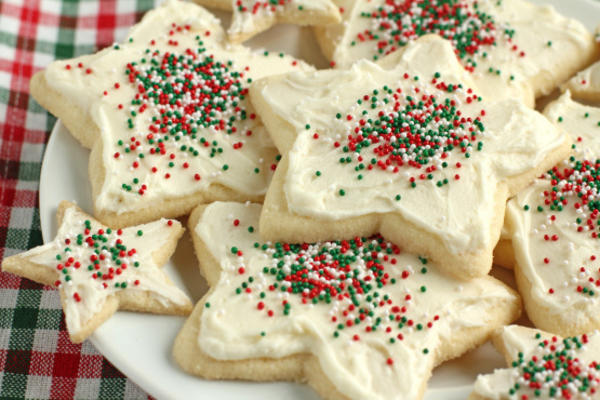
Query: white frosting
[(93, 293), (555, 264), (231, 323), (535, 26), (246, 170), (260, 13), (517, 339), (515, 140)]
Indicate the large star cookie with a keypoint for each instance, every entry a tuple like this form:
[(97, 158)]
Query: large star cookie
[(554, 227), (404, 147), (514, 49), (586, 84), (170, 111), (543, 366), (251, 17), (99, 270), (355, 318)]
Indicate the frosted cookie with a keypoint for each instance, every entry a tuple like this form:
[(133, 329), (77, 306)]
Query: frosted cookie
[(554, 229), (251, 17), (586, 84), (513, 48), (404, 147), (542, 366), (171, 114), (356, 319), (99, 270)]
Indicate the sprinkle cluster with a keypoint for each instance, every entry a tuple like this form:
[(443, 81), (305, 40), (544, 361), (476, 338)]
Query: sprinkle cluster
[(576, 184), (348, 277), (189, 98), (186, 94), (556, 371), (101, 252), (256, 6), (470, 30), (395, 128)]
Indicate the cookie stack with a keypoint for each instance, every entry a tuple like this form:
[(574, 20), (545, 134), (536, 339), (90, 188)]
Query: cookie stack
[(346, 220)]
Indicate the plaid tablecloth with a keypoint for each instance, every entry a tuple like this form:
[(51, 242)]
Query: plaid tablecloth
[(37, 360)]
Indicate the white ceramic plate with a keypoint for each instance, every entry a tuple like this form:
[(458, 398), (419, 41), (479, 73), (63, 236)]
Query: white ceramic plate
[(140, 344)]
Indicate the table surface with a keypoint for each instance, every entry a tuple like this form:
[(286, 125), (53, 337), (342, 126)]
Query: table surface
[(37, 360)]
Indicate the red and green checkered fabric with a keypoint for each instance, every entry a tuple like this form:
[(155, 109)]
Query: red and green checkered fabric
[(37, 360)]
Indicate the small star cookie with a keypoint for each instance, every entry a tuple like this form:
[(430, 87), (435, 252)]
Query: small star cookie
[(251, 17), (356, 319), (404, 147), (99, 270), (514, 49), (554, 230), (542, 366), (167, 116)]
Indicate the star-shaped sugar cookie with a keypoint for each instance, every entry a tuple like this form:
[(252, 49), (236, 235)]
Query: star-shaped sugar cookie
[(171, 117), (543, 366), (99, 270), (554, 230), (356, 319), (404, 147), (513, 48), (251, 17)]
